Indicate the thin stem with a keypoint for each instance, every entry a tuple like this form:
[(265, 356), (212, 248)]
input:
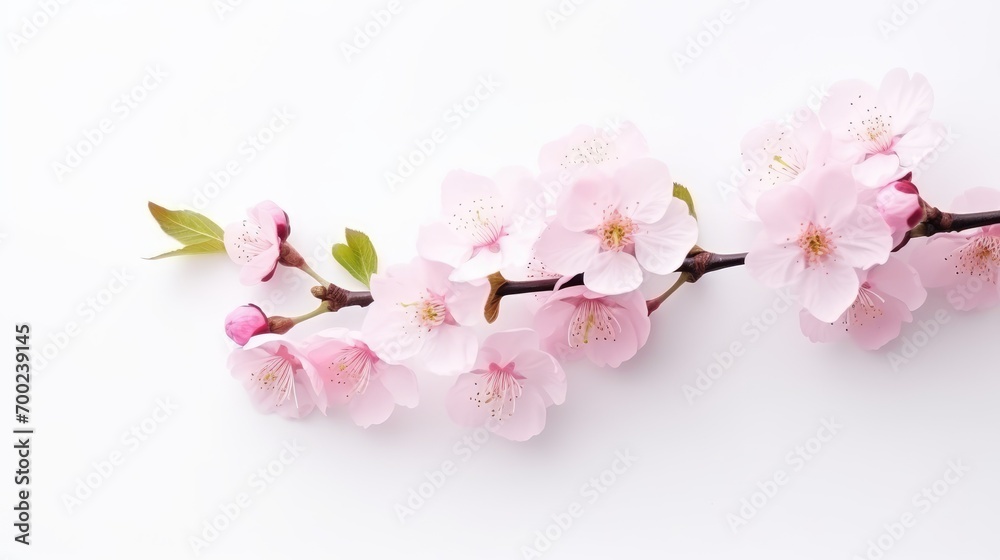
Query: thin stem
[(654, 304), (324, 308), (308, 270)]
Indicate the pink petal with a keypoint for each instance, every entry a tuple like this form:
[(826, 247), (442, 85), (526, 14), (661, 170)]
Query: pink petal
[(908, 100), (774, 265), (878, 170), (646, 189), (835, 195), (820, 331), (919, 144), (438, 242), (874, 332), (373, 406), (934, 260), (827, 291), (511, 343), (484, 263), (566, 252), (260, 268), (401, 382), (864, 239), (899, 280), (784, 211), (449, 350), (585, 203), (848, 103), (613, 272), (462, 404), (528, 418), (662, 246), (542, 370), (467, 302)]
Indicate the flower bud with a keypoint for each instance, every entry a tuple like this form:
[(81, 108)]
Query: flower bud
[(899, 204), (245, 322)]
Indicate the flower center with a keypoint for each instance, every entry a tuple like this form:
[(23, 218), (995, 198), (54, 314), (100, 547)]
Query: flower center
[(480, 222), (592, 320), (250, 242), (593, 151), (866, 307), (817, 244), (980, 257), (875, 132), (277, 374), (502, 389), (430, 311), (353, 367), (617, 231)]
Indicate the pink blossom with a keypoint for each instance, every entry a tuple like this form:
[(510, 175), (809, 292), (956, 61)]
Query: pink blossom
[(586, 147), (256, 242), (485, 228), (612, 227), (608, 330), (509, 388), (420, 314), (350, 373), (967, 264), (244, 322), (816, 237), (277, 376), (886, 132), (887, 295), (776, 154)]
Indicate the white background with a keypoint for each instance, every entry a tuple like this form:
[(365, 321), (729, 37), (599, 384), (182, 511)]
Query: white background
[(161, 336)]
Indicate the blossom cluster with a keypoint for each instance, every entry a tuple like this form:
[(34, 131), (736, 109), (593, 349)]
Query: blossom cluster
[(839, 215)]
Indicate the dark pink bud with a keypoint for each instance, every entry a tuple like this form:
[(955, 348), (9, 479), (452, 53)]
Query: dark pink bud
[(245, 322)]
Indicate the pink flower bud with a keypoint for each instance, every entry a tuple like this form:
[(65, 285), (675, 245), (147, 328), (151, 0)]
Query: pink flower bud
[(245, 322), (899, 205)]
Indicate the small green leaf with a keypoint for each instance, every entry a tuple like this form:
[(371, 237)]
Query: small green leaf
[(196, 249), (681, 192), (358, 256), (190, 228)]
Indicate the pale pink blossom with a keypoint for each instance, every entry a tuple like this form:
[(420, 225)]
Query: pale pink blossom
[(485, 227), (605, 149), (884, 132), (966, 264), (277, 376), (509, 388), (815, 238), (420, 314), (611, 227), (256, 242), (245, 322), (607, 330), (887, 295), (350, 374), (776, 154)]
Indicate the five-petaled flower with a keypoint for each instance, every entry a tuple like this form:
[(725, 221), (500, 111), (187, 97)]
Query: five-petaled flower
[(509, 388), (611, 227), (816, 237), (277, 376), (349, 373), (256, 242)]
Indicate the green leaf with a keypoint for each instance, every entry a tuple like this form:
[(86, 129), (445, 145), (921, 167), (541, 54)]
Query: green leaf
[(681, 192), (196, 249), (190, 228), (358, 256)]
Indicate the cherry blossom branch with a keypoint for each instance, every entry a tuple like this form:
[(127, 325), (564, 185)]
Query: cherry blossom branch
[(695, 266)]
